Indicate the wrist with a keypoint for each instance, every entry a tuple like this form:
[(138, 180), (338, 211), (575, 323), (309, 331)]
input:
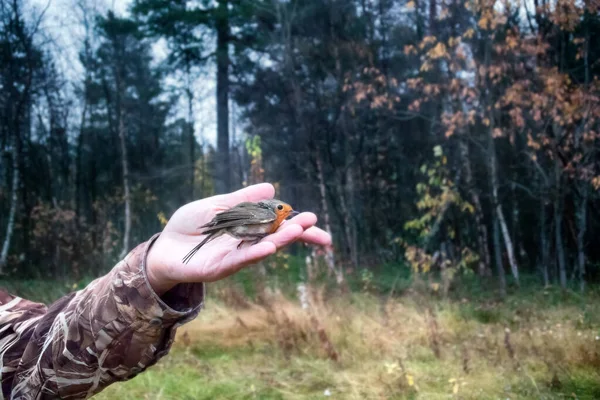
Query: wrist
[(154, 272), (157, 283)]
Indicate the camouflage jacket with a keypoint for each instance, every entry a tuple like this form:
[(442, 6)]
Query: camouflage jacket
[(109, 331)]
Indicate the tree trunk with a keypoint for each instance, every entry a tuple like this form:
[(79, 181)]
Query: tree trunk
[(507, 241), (347, 220), (498, 256), (544, 244), (488, 104), (191, 142), (514, 225), (582, 213), (126, 188), (329, 255), (498, 208), (584, 189), (560, 251), (222, 184), (79, 164), (582, 224), (482, 234), (433, 23), (13, 204), (353, 232), (558, 216)]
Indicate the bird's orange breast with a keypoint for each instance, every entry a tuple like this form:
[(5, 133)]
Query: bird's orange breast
[(277, 222)]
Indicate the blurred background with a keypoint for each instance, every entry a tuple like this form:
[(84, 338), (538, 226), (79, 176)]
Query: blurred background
[(450, 147)]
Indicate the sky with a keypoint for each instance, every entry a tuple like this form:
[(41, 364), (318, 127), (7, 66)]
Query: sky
[(62, 20)]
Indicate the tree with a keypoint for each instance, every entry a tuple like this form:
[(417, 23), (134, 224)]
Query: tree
[(21, 61), (184, 25)]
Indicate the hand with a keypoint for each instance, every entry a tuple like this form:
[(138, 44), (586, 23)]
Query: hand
[(219, 258)]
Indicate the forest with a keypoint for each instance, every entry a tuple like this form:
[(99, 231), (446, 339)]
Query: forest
[(432, 132), (450, 148)]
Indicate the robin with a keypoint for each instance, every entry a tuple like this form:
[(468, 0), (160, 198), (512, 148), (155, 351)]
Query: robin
[(247, 221)]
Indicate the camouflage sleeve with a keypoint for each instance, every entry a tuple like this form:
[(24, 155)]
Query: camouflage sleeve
[(110, 331)]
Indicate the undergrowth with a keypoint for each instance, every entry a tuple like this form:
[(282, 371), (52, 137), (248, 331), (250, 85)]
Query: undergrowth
[(388, 337), (414, 346)]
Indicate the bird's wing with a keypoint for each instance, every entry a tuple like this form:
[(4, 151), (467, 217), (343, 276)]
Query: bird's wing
[(241, 214)]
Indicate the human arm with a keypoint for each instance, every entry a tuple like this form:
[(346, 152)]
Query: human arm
[(125, 321)]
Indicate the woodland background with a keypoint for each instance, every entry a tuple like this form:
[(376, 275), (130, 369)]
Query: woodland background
[(459, 136), (451, 147)]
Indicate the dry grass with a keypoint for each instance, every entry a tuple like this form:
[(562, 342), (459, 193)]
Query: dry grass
[(410, 347)]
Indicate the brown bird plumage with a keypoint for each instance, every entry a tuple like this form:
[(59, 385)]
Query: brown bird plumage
[(247, 221)]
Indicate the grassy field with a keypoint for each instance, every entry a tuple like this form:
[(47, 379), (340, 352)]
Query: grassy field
[(545, 345)]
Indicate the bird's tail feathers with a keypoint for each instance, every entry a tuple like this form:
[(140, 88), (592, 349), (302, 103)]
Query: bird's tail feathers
[(211, 236)]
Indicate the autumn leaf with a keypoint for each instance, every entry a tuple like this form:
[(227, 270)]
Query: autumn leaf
[(438, 51), (453, 41), (469, 33), (427, 40), (483, 22), (162, 218)]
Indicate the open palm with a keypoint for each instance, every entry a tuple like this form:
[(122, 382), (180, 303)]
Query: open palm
[(220, 257)]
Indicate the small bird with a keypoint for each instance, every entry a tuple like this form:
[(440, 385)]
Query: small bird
[(247, 221)]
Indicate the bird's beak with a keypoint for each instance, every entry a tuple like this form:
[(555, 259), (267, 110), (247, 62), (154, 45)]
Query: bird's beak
[(292, 214)]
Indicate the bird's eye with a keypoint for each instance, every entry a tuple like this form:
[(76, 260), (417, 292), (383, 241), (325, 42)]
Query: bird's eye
[(280, 207)]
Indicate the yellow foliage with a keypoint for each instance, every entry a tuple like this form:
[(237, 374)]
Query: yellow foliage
[(468, 207), (427, 40), (162, 219), (438, 51), (511, 42), (453, 41), (426, 66)]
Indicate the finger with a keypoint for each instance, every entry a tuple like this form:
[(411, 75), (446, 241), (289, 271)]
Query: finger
[(261, 191), (305, 220), (318, 236), (285, 236)]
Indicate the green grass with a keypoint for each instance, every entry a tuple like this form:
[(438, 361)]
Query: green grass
[(386, 351), (412, 345), (208, 372)]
